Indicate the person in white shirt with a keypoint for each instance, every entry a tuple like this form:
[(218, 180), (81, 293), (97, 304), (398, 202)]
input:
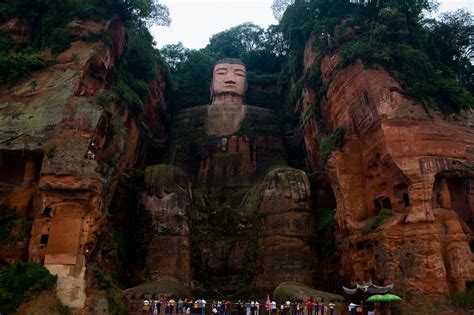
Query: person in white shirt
[(273, 307)]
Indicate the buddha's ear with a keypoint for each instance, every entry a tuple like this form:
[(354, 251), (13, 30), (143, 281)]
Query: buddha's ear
[(211, 89)]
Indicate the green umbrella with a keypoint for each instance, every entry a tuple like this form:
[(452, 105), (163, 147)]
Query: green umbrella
[(384, 298), (376, 298), (391, 297)]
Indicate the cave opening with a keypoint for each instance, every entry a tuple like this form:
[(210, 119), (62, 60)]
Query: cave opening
[(19, 167), (382, 203), (452, 191), (401, 193), (406, 200), (44, 240), (469, 285), (47, 212)]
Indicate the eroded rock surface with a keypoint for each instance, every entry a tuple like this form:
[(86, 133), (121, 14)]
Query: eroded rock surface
[(396, 156), (61, 158)]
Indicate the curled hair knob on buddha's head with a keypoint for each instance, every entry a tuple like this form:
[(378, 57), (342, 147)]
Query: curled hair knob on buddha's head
[(229, 82)]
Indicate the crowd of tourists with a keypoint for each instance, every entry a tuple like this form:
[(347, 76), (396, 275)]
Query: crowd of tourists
[(157, 306)]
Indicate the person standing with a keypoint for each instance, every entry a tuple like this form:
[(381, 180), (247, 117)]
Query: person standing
[(199, 306), (309, 307), (240, 308), (146, 306), (248, 308), (154, 306), (273, 308), (331, 308), (179, 308), (257, 308), (287, 307), (203, 307)]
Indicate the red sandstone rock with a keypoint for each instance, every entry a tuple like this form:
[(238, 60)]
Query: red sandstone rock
[(52, 119), (397, 156)]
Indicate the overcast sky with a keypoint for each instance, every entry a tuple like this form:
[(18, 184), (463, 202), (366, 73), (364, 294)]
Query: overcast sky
[(195, 21)]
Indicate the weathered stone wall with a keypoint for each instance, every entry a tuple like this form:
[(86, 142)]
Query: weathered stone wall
[(75, 147), (396, 155)]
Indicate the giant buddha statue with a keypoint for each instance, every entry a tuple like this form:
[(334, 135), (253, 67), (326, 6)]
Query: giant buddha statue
[(227, 164)]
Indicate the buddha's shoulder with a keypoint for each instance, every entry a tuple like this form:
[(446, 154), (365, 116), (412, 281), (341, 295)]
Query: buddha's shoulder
[(192, 111), (259, 111), (259, 121)]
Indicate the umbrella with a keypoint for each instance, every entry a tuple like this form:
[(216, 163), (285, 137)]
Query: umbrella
[(376, 298), (384, 298), (391, 297)]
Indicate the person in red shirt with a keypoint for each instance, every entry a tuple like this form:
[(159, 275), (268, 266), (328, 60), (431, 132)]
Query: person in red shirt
[(309, 306)]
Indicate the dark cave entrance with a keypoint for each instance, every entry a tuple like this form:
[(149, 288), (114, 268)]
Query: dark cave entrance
[(453, 191), (18, 169)]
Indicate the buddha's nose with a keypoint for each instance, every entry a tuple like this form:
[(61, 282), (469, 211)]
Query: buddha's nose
[(229, 82)]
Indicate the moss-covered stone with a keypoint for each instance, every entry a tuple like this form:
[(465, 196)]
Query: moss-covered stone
[(297, 291), (167, 286)]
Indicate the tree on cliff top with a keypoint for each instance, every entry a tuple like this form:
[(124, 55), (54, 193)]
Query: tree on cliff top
[(394, 35), (46, 16)]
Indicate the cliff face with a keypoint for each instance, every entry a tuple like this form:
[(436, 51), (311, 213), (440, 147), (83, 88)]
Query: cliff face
[(63, 145), (395, 156)]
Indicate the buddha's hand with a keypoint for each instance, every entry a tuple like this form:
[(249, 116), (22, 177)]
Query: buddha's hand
[(164, 179), (293, 183)]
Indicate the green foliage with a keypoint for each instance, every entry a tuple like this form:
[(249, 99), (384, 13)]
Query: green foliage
[(138, 65), (131, 92), (115, 300), (192, 79), (7, 220), (48, 20), (140, 58), (450, 41), (431, 60), (331, 143), (21, 282), (113, 161), (236, 41), (374, 223), (13, 67), (325, 229), (464, 299), (60, 40), (13, 227), (102, 280), (174, 54)]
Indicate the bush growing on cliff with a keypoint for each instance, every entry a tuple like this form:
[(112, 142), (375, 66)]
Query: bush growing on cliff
[(60, 40), (375, 222), (113, 293), (20, 282), (326, 240), (13, 67), (13, 227), (464, 300), (331, 143)]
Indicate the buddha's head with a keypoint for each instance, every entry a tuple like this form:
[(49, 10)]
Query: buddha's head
[(229, 82)]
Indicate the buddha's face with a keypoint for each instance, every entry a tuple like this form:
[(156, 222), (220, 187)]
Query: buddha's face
[(229, 78)]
